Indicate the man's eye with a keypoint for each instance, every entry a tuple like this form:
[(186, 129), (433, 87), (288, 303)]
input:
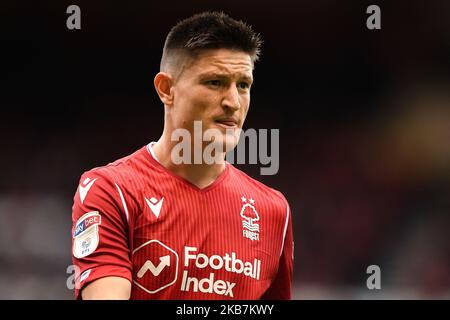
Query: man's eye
[(214, 83), (243, 85)]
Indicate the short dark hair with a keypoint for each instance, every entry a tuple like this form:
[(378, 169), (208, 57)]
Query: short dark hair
[(210, 30)]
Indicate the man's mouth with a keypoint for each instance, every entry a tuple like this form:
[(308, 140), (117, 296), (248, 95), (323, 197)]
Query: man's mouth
[(227, 122)]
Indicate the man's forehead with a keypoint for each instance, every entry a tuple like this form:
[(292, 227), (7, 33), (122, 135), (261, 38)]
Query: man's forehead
[(224, 62)]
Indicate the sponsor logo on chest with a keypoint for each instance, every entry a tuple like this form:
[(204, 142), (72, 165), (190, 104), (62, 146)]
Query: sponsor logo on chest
[(160, 271)]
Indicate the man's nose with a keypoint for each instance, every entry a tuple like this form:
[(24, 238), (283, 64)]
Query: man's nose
[(231, 98)]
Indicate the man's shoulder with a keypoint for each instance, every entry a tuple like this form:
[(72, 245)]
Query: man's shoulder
[(265, 190), (120, 170)]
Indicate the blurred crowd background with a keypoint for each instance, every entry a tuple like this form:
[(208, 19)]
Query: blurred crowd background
[(364, 119)]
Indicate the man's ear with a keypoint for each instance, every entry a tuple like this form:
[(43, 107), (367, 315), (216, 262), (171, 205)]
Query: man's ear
[(163, 85)]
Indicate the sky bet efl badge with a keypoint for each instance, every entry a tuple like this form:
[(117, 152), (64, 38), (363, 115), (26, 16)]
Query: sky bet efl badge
[(85, 236)]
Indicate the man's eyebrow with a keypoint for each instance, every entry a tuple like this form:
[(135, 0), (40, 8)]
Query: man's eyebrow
[(224, 75)]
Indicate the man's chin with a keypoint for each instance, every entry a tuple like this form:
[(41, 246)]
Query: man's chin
[(223, 139), (225, 143), (230, 143)]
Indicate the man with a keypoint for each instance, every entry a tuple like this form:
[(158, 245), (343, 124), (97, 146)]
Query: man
[(150, 226)]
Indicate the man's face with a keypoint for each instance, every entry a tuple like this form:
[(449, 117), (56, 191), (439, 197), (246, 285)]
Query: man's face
[(214, 88)]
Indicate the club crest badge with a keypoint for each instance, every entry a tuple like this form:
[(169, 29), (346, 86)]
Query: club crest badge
[(250, 227)]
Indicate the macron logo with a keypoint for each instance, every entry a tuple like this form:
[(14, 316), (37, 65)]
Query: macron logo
[(84, 188), (155, 205), (148, 265)]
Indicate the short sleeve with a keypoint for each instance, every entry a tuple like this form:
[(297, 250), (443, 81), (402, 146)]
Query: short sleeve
[(99, 231)]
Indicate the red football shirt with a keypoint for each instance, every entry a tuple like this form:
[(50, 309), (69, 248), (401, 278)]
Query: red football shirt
[(135, 219)]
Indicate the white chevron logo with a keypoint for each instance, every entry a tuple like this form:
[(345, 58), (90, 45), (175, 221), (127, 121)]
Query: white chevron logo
[(85, 189), (155, 205)]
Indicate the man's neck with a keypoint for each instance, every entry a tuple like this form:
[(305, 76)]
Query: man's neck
[(200, 175)]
